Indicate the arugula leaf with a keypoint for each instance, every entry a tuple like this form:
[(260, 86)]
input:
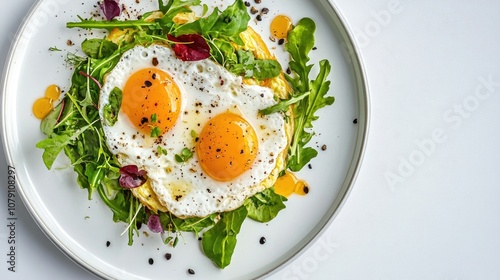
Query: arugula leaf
[(284, 104), (220, 27), (266, 68), (264, 206), (307, 97), (195, 225), (223, 52), (231, 22), (110, 110), (248, 66), (98, 48), (173, 7), (52, 147), (219, 242), (49, 122), (305, 115), (300, 43)]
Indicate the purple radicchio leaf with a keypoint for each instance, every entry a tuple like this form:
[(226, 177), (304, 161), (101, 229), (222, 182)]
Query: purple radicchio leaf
[(154, 224), (110, 8), (132, 177)]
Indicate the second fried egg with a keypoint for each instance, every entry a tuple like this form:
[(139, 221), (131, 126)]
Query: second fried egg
[(195, 128)]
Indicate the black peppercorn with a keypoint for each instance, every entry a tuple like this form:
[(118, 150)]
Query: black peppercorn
[(190, 271), (262, 240)]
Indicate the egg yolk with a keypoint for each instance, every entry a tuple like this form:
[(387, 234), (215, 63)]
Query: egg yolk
[(152, 101), (280, 26), (227, 146), (43, 106), (288, 184)]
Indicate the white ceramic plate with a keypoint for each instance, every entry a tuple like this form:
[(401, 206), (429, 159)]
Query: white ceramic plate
[(81, 227)]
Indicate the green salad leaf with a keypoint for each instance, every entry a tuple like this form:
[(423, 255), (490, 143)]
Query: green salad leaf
[(219, 242), (52, 147), (248, 66), (265, 206), (307, 96), (110, 111), (98, 48)]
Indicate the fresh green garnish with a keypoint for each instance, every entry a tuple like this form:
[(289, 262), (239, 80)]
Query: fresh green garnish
[(219, 241), (194, 134), (155, 131), (248, 66), (307, 96), (154, 118), (184, 155), (161, 151), (98, 48), (111, 109), (54, 49), (264, 206)]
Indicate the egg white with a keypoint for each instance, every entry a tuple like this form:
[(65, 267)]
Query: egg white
[(207, 89)]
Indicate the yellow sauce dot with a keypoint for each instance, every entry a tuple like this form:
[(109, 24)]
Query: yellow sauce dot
[(42, 107), (53, 92), (280, 26), (288, 184)]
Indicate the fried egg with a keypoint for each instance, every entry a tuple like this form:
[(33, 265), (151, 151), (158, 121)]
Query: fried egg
[(196, 130)]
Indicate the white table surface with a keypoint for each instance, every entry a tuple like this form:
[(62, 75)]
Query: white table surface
[(426, 204)]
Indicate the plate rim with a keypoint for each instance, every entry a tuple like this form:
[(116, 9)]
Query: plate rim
[(354, 53)]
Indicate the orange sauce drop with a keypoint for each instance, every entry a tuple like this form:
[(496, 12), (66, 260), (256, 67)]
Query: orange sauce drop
[(280, 26), (288, 184), (43, 105)]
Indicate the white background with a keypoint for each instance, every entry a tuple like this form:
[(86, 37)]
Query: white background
[(426, 203)]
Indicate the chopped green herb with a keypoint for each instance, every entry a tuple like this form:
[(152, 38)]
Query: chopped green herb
[(161, 151), (155, 131), (184, 155)]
